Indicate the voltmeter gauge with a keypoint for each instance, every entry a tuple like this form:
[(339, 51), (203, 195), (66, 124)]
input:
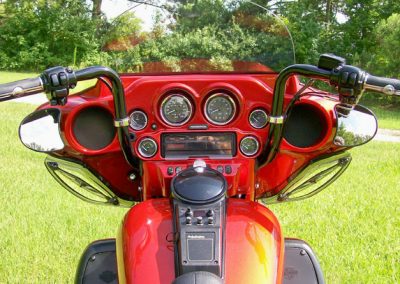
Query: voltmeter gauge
[(249, 146), (147, 147), (258, 118), (138, 120)]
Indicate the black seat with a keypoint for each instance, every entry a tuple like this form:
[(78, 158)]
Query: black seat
[(198, 277)]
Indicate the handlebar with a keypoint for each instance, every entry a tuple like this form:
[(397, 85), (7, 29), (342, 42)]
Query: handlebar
[(350, 81), (382, 85), (21, 88)]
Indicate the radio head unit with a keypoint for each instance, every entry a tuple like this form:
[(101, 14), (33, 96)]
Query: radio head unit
[(198, 144)]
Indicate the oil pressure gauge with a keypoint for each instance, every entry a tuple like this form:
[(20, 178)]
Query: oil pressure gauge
[(138, 120), (258, 118), (249, 146), (147, 147)]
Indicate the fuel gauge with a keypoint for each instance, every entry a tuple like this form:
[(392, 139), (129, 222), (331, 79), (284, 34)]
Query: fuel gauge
[(249, 146), (147, 147)]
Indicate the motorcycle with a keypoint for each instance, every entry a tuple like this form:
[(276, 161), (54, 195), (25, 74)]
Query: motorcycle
[(191, 145)]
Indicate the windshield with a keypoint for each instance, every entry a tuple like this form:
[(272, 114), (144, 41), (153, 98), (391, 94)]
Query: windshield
[(196, 36)]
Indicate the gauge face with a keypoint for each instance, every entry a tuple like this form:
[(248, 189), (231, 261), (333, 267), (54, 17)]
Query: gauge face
[(176, 110), (258, 118), (249, 146), (220, 109), (147, 147), (138, 120)]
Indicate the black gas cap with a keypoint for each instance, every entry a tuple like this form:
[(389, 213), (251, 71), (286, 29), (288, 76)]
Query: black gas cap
[(199, 185)]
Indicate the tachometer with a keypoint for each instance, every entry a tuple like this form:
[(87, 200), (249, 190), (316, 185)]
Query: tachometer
[(176, 109), (220, 109)]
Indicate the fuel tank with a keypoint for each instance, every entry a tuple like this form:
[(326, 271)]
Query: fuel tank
[(254, 245)]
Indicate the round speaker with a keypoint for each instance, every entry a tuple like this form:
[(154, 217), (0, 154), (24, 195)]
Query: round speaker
[(305, 127), (93, 128)]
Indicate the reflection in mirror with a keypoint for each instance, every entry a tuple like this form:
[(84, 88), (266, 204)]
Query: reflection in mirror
[(40, 131), (355, 126)]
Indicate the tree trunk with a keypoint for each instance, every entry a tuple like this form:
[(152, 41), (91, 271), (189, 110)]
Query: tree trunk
[(96, 11)]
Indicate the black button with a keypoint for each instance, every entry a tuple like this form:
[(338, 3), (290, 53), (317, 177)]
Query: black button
[(220, 169), (210, 213), (170, 171), (228, 170), (63, 79), (54, 80)]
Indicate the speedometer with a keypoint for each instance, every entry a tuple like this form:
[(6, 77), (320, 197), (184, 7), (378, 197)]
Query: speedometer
[(176, 109), (220, 109)]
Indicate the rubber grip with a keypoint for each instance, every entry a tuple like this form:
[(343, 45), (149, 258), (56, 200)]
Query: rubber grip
[(20, 88), (383, 82)]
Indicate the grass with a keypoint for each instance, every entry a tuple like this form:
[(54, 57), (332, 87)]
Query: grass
[(353, 226)]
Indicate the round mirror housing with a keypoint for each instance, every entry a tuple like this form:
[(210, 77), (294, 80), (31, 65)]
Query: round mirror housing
[(40, 131), (355, 126)]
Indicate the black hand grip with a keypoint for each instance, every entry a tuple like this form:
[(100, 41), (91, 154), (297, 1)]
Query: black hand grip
[(383, 85), (20, 88)]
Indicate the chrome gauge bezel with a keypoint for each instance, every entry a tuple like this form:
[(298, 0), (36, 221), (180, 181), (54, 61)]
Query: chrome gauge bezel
[(264, 113), (249, 154), (130, 119), (231, 100), (166, 99), (139, 148)]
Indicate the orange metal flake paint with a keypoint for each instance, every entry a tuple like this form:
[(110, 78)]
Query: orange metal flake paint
[(253, 252)]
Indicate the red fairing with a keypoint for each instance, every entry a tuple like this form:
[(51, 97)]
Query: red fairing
[(146, 93), (254, 250)]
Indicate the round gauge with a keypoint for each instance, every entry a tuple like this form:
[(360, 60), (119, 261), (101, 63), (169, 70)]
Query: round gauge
[(138, 120), (176, 109), (147, 147), (258, 118), (249, 146), (220, 109)]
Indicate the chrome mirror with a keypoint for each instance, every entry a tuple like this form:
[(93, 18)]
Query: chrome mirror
[(355, 126), (40, 131)]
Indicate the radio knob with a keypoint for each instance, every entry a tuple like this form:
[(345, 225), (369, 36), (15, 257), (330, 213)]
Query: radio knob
[(188, 220), (210, 213), (189, 213), (199, 220), (210, 220)]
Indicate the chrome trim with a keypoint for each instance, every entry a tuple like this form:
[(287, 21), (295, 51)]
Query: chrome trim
[(251, 153), (277, 119), (121, 122), (18, 91), (220, 95), (66, 170), (145, 116), (387, 90), (266, 115), (140, 150), (310, 175), (165, 100)]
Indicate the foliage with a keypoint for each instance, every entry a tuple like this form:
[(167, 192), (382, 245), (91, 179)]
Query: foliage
[(40, 34)]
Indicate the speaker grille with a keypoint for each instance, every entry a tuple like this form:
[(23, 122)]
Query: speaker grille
[(306, 126), (93, 128)]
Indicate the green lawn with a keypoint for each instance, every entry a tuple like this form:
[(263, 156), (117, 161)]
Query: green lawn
[(354, 226)]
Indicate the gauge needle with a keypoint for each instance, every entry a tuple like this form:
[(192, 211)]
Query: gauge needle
[(255, 119), (215, 110), (172, 111)]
